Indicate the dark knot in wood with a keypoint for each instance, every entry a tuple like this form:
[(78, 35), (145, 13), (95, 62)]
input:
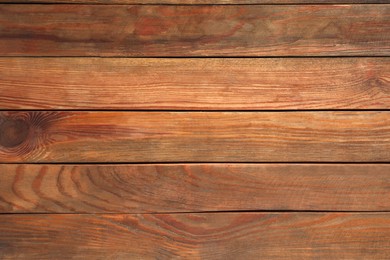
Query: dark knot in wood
[(13, 132)]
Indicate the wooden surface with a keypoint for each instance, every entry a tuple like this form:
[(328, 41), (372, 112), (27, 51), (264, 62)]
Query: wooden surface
[(195, 129), (195, 136), (193, 188), (196, 236), (207, 84), (194, 2), (139, 30)]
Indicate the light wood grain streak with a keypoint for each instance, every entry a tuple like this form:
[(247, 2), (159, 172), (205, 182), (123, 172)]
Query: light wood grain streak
[(206, 84), (195, 136), (196, 236), (193, 188), (140, 30)]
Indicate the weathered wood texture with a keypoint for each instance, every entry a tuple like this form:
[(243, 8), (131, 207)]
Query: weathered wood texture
[(194, 136), (196, 236), (193, 188), (191, 2), (139, 30), (212, 84)]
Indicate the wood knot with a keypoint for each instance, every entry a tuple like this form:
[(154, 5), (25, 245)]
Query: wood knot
[(13, 132)]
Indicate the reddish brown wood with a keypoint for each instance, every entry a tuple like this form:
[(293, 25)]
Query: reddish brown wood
[(145, 191), (142, 30), (193, 187), (207, 84), (196, 236), (196, 137)]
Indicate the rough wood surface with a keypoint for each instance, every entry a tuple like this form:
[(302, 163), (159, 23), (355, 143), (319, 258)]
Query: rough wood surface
[(140, 30), (207, 84), (196, 236), (193, 188), (191, 2), (194, 136)]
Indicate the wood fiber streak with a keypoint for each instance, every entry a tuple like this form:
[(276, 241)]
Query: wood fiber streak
[(193, 188), (196, 236), (207, 84), (195, 136), (191, 2), (141, 30)]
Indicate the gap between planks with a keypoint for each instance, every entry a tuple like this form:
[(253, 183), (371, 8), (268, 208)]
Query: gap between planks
[(200, 57), (212, 3), (201, 212), (193, 162)]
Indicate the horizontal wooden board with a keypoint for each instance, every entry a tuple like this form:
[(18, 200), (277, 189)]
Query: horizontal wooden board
[(207, 84), (196, 236), (166, 30), (193, 188), (192, 2), (194, 136)]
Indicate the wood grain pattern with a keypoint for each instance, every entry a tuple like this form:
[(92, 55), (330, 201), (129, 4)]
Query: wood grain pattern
[(193, 188), (140, 30), (196, 236), (207, 84), (194, 136), (194, 2)]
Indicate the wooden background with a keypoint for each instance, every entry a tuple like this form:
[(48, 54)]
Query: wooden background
[(194, 129)]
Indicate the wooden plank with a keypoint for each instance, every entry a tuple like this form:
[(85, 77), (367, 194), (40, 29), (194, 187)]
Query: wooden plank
[(196, 236), (193, 188), (167, 30), (195, 136), (194, 2), (206, 84)]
